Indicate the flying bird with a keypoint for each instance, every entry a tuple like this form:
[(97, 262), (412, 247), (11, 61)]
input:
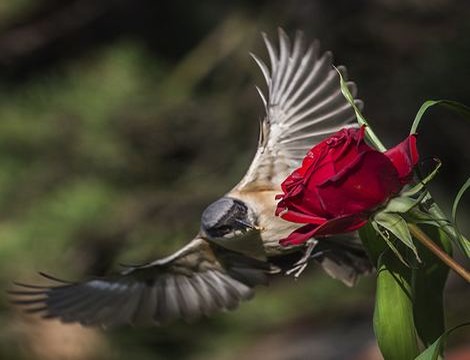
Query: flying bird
[(237, 246)]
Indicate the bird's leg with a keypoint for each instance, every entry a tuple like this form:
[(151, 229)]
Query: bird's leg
[(299, 267)]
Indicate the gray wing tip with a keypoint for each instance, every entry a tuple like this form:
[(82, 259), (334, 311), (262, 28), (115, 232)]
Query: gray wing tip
[(352, 88), (327, 56), (30, 298), (266, 39), (359, 103), (281, 32), (288, 80), (299, 34), (316, 43), (263, 98)]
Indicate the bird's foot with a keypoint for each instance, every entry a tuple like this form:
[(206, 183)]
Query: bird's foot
[(299, 267)]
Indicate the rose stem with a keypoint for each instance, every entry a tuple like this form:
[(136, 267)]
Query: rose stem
[(426, 241)]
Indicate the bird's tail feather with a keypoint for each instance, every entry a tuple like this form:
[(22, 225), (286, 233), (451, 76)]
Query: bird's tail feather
[(343, 257)]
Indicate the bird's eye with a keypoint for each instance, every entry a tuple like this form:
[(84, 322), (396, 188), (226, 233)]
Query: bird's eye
[(223, 229), (220, 231)]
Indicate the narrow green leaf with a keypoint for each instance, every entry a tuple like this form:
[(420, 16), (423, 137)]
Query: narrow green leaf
[(433, 351), (389, 242), (398, 227), (458, 197), (428, 287), (393, 316), (360, 118), (462, 240), (400, 204), (418, 216), (420, 113), (452, 105), (450, 230), (420, 186), (425, 222)]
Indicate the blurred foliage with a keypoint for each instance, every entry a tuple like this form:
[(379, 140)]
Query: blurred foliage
[(120, 122)]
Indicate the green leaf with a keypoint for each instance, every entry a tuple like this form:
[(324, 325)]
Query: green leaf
[(389, 242), (433, 351), (453, 105), (458, 197), (398, 227), (428, 287), (424, 221), (400, 204), (372, 241), (360, 118), (393, 316), (462, 240), (417, 216), (420, 186), (437, 214)]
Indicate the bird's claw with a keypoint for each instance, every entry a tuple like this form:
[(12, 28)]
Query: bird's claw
[(299, 267), (297, 270)]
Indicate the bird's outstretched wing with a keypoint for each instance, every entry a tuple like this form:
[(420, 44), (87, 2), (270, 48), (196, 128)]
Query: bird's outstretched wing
[(304, 104), (199, 279)]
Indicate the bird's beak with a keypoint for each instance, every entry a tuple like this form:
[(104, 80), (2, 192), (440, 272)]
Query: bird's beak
[(248, 225)]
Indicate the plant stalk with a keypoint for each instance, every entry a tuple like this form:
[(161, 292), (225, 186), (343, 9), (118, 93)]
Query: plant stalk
[(436, 250)]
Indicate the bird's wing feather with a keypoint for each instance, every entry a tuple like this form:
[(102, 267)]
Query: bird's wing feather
[(199, 279), (304, 104)]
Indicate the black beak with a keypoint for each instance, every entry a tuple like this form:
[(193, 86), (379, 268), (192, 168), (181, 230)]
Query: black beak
[(246, 225)]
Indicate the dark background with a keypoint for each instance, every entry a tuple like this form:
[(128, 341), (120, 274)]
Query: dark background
[(121, 120)]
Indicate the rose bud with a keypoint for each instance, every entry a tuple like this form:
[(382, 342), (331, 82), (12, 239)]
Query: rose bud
[(342, 181)]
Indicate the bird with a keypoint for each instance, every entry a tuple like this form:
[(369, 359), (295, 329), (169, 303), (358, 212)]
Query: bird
[(237, 246)]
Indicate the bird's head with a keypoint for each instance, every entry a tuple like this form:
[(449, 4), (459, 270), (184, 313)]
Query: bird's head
[(227, 218), (232, 224)]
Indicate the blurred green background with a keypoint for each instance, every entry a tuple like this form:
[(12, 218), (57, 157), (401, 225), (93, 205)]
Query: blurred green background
[(121, 120)]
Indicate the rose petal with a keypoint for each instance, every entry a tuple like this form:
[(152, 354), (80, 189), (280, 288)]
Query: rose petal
[(340, 225), (334, 226), (351, 149), (298, 217), (404, 157), (366, 183), (307, 202), (291, 188), (324, 168), (299, 236), (322, 162)]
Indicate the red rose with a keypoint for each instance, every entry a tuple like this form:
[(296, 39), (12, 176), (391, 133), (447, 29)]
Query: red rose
[(340, 183)]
